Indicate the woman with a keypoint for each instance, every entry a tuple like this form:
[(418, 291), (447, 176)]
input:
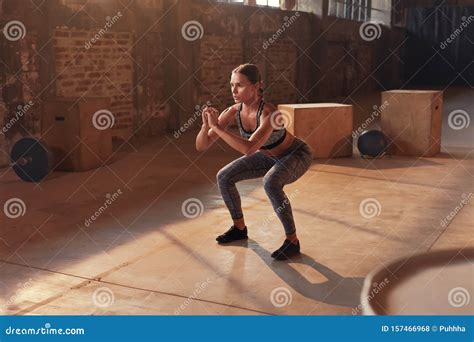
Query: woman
[(268, 149)]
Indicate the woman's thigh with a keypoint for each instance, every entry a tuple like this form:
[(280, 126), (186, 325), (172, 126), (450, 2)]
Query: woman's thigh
[(290, 167), (246, 167)]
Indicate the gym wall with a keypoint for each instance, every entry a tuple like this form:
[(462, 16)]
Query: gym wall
[(155, 78)]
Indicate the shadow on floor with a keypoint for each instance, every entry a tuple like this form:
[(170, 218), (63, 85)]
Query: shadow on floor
[(337, 290)]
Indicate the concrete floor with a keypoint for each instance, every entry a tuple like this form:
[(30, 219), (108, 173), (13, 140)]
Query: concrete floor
[(143, 256)]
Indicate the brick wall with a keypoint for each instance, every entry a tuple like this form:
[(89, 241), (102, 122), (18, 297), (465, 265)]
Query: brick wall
[(236, 34), (152, 111), (102, 68), (219, 56), (154, 78), (280, 72), (350, 64), (19, 76)]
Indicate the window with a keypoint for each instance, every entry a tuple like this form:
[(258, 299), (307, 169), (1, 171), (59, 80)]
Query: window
[(232, 1), (398, 14), (269, 3), (350, 9)]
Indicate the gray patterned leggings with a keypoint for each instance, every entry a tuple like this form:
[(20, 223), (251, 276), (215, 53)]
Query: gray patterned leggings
[(276, 173)]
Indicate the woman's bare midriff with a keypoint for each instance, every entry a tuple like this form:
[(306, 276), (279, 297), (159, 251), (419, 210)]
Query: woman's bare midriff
[(280, 149)]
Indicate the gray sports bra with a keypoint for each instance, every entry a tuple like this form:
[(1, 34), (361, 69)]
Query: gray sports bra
[(277, 137)]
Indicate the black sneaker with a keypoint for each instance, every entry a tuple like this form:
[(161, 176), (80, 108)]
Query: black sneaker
[(287, 250), (233, 234)]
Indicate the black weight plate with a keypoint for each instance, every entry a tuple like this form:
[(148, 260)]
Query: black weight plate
[(39, 165), (372, 143)]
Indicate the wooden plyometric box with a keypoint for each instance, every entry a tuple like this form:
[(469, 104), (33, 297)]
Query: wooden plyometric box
[(77, 140), (411, 120), (326, 127)]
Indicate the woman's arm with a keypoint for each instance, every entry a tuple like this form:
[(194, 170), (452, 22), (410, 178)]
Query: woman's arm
[(202, 139), (237, 143), (256, 140), (207, 136)]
